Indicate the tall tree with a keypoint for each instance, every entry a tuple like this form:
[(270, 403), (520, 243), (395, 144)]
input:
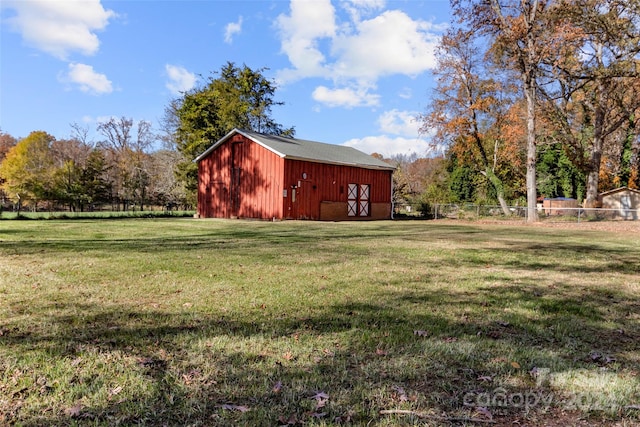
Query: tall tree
[(94, 180), (70, 157), (468, 109), (6, 142), (634, 160), (519, 33), (28, 169), (557, 174), (164, 187), (238, 97), (597, 80), (126, 146)]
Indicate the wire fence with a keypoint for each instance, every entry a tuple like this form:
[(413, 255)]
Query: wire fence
[(550, 214), (60, 210)]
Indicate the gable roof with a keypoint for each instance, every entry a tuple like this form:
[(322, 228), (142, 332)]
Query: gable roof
[(618, 190), (300, 149)]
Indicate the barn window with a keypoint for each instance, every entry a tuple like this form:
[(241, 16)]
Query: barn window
[(358, 200)]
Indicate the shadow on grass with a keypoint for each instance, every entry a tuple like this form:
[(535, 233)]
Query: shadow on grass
[(381, 360), (534, 255), (400, 350)]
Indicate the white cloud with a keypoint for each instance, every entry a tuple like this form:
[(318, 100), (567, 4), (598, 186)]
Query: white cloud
[(399, 135), (390, 43), (389, 146), (231, 29), (406, 93), (345, 97), (357, 8), (60, 27), (300, 32), (399, 123), (180, 79), (356, 52), (88, 80)]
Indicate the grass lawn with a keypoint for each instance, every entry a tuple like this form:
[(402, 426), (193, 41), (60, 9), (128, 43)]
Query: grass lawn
[(208, 322)]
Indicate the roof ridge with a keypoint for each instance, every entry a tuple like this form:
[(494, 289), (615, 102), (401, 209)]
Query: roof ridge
[(307, 150)]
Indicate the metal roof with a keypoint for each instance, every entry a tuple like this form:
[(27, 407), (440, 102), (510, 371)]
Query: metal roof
[(300, 149)]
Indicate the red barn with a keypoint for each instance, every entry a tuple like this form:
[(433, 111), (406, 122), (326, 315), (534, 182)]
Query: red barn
[(253, 175)]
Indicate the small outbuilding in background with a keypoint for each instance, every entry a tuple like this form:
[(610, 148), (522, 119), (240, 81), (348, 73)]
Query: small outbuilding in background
[(252, 175), (623, 202), (559, 205)]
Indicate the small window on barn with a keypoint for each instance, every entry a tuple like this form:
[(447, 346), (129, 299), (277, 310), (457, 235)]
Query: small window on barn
[(358, 200)]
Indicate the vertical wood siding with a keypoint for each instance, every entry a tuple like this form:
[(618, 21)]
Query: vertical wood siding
[(318, 182), (240, 178)]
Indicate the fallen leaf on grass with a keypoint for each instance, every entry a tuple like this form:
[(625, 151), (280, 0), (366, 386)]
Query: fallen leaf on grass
[(600, 358), (75, 411), (190, 376), (321, 399), (481, 410), (320, 395), (318, 414), (287, 356), (494, 334), (235, 408), (402, 396), (292, 420), (151, 362), (115, 391), (485, 378), (515, 365), (381, 352), (421, 333), (342, 419)]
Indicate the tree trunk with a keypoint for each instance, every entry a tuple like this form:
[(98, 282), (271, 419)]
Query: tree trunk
[(499, 187), (634, 162), (595, 158), (526, 57), (532, 194)]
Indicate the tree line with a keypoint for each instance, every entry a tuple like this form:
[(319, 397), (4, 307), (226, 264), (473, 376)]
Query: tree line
[(124, 169), (40, 171)]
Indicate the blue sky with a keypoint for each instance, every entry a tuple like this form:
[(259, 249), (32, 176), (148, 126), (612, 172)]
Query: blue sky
[(353, 72)]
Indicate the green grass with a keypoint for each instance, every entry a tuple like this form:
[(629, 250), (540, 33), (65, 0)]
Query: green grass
[(207, 322)]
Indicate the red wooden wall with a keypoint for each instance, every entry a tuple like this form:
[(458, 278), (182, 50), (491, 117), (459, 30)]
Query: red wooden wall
[(318, 182), (240, 179)]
